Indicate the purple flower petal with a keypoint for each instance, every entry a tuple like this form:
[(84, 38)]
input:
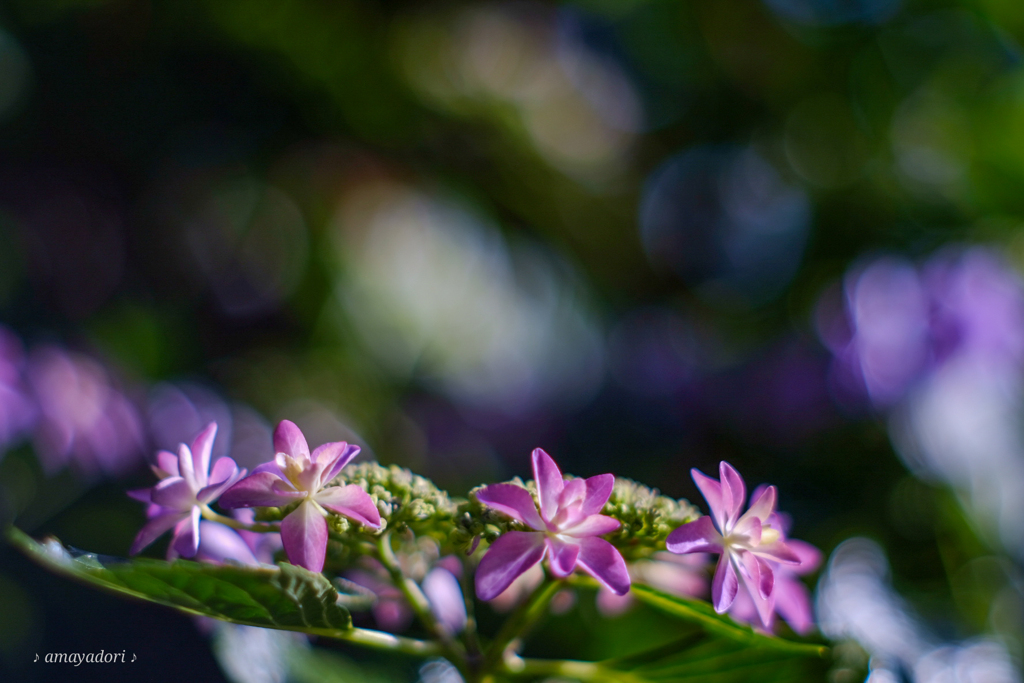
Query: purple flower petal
[(759, 581), (599, 490), (168, 464), (445, 595), (809, 556), (210, 493), (223, 469), (698, 536), (793, 603), (763, 506), (309, 477), (141, 495), (561, 556), (573, 492), (202, 447), (712, 492), (186, 466), (284, 487), (600, 559), (514, 501), (269, 467), (155, 528), (734, 492), (225, 474), (594, 525), (219, 543), (335, 456), (174, 493), (508, 557), (352, 502), (288, 439), (749, 527), (186, 535), (777, 552), (304, 532), (549, 483), (257, 490), (725, 585), (766, 578)]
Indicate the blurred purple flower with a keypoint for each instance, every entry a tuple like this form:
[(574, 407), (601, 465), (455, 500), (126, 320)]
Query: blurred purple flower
[(442, 588), (749, 544), (392, 612), (898, 322), (17, 411), (177, 411), (567, 528), (82, 417), (187, 485), (977, 306), (296, 476)]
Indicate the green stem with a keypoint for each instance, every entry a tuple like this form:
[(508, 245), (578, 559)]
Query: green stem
[(420, 604), (469, 634), (567, 668), (521, 621), (378, 640), (258, 527)]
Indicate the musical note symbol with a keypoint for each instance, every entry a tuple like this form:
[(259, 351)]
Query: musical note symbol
[(133, 656), (37, 658)]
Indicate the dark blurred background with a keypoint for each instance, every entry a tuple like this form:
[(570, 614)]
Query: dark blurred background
[(645, 235)]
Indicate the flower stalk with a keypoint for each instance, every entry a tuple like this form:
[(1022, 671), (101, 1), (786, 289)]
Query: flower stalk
[(257, 527), (521, 621), (452, 650)]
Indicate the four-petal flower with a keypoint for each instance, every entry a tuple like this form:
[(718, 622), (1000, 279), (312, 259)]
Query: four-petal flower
[(187, 485), (566, 529), (297, 476), (749, 543)]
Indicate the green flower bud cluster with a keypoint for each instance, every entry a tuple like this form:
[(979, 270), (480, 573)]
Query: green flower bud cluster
[(410, 502), (404, 500), (647, 518), (476, 522)]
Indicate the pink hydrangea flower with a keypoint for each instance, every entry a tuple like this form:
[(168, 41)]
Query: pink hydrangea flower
[(295, 475), (749, 544), (187, 484), (566, 530)]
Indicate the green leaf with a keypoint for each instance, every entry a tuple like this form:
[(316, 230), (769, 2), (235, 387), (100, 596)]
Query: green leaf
[(715, 649), (285, 597), (315, 665), (703, 614)]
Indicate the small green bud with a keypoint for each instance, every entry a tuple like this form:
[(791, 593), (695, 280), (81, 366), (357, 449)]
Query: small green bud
[(647, 518)]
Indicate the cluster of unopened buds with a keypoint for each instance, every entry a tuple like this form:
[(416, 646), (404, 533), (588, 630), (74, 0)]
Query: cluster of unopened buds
[(397, 536)]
